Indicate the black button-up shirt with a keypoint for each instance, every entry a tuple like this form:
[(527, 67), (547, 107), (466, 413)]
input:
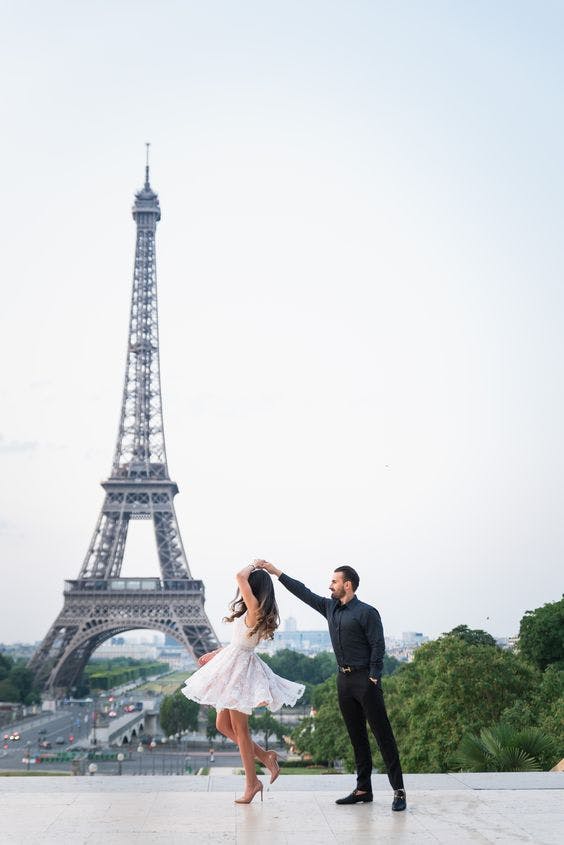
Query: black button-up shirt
[(355, 628)]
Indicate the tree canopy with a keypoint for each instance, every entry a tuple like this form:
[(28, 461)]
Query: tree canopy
[(300, 668), (17, 682), (541, 635), (542, 708), (267, 725), (452, 687), (313, 671), (178, 713), (472, 636)]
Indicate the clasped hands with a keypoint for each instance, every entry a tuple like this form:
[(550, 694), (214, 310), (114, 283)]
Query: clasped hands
[(269, 567)]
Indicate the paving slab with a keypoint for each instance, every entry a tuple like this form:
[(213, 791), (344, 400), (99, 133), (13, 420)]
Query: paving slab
[(504, 808)]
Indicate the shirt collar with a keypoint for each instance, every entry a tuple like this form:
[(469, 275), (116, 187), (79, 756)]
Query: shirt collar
[(348, 604)]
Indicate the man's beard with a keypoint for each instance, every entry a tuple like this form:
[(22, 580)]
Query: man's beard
[(338, 593)]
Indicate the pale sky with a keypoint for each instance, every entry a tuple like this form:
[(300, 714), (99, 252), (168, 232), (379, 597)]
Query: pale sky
[(360, 287)]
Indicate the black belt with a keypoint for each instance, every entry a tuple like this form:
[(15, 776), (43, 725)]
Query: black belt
[(346, 669)]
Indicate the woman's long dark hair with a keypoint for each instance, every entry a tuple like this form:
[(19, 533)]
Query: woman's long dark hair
[(268, 618)]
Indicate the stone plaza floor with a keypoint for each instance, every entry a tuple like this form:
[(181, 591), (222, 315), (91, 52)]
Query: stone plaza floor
[(298, 810)]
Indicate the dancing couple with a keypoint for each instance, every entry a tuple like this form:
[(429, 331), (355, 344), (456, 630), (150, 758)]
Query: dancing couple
[(235, 680)]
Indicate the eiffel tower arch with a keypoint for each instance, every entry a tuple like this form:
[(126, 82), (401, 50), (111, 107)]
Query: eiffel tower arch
[(100, 603)]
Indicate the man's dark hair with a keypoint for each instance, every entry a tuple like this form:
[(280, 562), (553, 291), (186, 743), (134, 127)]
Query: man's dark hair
[(349, 574)]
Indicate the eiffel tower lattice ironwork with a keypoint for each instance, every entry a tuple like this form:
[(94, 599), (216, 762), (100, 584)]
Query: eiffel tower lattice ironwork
[(100, 603)]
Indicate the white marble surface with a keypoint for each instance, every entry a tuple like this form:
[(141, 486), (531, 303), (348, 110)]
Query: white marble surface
[(298, 810)]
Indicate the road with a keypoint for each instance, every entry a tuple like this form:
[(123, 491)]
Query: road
[(70, 720), (75, 720)]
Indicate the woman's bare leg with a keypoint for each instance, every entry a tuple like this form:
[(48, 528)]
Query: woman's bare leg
[(267, 758), (240, 723), (224, 726)]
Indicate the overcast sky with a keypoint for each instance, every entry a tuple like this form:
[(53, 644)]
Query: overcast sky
[(360, 293)]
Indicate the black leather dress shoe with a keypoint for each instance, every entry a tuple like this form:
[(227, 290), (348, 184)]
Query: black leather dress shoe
[(399, 802), (355, 798)]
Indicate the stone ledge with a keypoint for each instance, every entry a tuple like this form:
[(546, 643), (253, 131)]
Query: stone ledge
[(285, 783)]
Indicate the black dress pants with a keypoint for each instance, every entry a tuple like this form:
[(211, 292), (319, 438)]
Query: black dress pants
[(362, 701)]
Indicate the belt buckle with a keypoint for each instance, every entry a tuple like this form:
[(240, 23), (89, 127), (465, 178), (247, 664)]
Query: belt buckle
[(346, 669)]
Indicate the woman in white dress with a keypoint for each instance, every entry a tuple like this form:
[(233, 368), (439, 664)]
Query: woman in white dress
[(235, 680)]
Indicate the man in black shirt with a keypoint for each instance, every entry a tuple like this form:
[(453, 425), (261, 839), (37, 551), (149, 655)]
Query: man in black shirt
[(358, 642)]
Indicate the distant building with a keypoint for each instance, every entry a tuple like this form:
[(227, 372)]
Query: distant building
[(175, 654), (137, 651), (19, 650), (413, 638), (509, 643), (290, 624), (405, 647), (170, 642), (306, 642)]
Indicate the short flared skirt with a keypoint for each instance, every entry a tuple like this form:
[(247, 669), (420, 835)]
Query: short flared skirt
[(237, 679)]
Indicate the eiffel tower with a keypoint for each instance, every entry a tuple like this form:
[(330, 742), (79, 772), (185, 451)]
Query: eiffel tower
[(100, 603)]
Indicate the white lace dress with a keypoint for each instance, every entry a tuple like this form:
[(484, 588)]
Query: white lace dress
[(236, 678)]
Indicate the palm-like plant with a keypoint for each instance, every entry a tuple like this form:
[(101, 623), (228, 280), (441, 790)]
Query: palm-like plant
[(501, 748)]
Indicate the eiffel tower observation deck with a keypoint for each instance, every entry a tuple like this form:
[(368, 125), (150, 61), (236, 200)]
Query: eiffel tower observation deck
[(100, 603)]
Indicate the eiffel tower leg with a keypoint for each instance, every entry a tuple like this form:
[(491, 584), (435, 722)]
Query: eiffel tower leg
[(89, 617), (169, 545), (105, 554), (48, 655)]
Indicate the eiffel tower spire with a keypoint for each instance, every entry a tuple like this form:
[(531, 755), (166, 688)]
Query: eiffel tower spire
[(139, 487), (140, 449)]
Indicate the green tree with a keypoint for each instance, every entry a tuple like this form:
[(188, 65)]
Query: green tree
[(211, 729), (391, 665), (267, 725), (8, 692), (17, 682), (452, 687), (301, 668), (541, 635), (502, 748), (324, 736), (22, 678), (6, 664), (178, 713), (298, 667), (472, 636), (82, 688), (542, 708)]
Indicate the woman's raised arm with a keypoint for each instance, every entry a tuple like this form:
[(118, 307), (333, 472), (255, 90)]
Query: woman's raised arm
[(249, 598)]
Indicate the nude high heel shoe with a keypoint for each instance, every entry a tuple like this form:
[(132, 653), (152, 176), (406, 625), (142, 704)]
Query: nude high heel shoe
[(273, 766), (247, 800)]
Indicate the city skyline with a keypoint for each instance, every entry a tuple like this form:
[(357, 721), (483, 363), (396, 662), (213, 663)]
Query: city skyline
[(360, 306)]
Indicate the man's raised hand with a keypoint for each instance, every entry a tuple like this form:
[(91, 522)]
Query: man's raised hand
[(264, 564)]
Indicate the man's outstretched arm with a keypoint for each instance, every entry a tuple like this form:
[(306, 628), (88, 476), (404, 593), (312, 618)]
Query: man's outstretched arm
[(318, 603)]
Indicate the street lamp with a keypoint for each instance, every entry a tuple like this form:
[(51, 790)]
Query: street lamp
[(120, 759), (28, 755), (140, 752), (163, 742), (92, 769)]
